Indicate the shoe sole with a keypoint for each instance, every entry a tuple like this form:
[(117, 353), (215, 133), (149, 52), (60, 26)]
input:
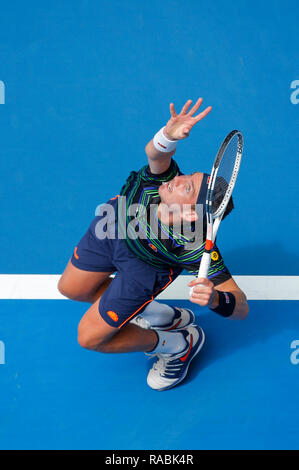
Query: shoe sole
[(182, 378)]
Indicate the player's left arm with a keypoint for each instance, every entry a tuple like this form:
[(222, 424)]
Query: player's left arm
[(206, 294)]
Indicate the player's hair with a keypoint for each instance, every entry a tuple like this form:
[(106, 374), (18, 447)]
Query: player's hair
[(219, 191)]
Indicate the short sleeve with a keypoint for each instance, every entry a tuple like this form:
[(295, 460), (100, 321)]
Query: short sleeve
[(218, 272)]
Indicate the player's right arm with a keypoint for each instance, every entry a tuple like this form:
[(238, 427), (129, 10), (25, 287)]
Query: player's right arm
[(177, 128), (206, 294)]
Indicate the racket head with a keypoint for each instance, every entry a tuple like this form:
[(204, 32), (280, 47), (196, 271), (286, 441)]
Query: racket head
[(225, 168), (224, 175)]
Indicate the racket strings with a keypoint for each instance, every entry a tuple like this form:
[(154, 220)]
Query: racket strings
[(226, 176)]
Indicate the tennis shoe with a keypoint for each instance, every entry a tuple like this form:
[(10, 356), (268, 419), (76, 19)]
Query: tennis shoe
[(170, 369), (183, 317)]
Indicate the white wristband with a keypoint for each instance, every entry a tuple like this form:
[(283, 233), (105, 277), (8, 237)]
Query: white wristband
[(162, 143)]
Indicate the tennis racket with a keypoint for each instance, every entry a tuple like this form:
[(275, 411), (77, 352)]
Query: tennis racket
[(220, 187)]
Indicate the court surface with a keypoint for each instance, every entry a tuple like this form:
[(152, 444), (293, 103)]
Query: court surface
[(84, 85), (241, 391)]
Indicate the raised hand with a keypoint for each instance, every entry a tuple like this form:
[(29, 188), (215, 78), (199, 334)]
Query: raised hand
[(180, 125)]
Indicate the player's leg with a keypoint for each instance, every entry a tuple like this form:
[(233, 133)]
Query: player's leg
[(95, 334), (106, 328), (106, 325), (87, 273), (82, 285)]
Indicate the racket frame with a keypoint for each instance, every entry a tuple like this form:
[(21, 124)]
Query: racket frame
[(213, 220)]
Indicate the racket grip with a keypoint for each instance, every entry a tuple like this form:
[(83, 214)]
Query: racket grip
[(204, 265), (203, 268)]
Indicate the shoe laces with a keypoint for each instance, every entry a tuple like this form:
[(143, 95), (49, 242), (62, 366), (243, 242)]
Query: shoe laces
[(167, 364)]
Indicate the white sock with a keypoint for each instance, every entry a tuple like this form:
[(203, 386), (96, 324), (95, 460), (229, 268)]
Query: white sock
[(169, 342), (158, 314)]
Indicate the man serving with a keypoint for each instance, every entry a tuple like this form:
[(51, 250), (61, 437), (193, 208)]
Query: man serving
[(141, 238)]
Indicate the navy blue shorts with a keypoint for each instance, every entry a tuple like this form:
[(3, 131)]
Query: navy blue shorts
[(135, 284)]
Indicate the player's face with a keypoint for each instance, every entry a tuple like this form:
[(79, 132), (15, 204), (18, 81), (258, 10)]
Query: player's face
[(181, 189)]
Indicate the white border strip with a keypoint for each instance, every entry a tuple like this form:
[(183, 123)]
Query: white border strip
[(44, 286)]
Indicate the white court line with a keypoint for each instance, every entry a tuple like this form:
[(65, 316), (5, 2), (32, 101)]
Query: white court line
[(44, 286)]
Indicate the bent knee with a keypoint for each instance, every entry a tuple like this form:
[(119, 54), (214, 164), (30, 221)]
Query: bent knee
[(67, 291), (89, 339), (62, 287), (85, 341)]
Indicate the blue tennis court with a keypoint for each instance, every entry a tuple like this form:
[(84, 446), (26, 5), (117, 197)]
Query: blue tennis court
[(241, 393), (84, 85)]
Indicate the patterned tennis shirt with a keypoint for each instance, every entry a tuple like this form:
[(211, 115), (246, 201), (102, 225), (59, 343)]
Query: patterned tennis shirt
[(154, 242)]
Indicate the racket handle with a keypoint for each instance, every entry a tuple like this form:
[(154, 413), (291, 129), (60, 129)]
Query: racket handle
[(204, 265), (203, 268)]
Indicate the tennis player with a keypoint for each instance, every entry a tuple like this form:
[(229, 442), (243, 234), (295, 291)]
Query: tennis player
[(140, 237)]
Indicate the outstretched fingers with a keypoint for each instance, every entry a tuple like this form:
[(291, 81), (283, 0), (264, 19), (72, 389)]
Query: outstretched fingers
[(185, 107), (187, 118), (194, 110), (203, 114), (172, 110), (196, 107)]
